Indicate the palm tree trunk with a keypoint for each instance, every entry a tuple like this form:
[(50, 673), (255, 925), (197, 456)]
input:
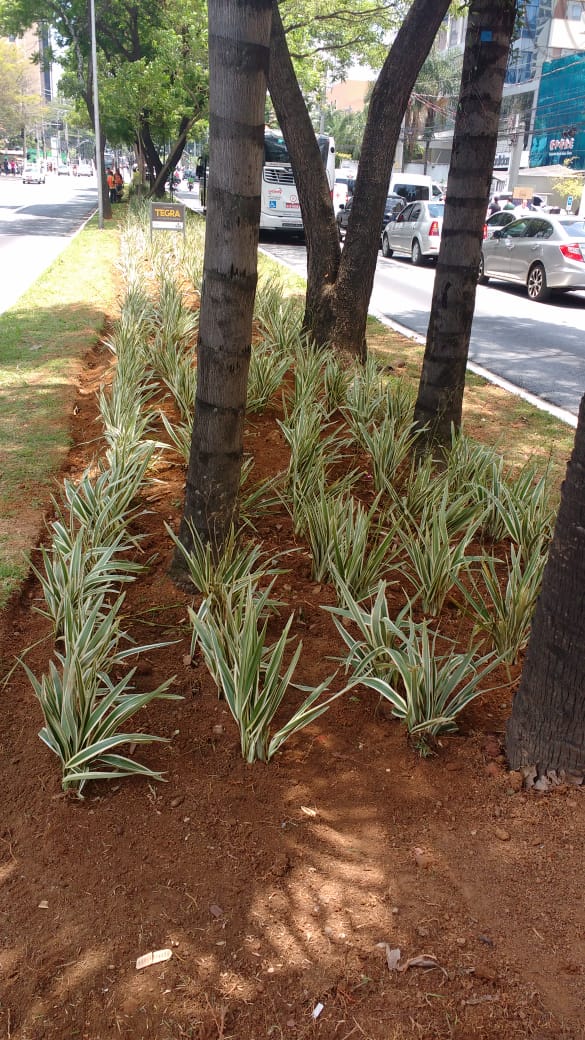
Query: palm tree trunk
[(339, 287), (239, 41), (440, 394), (547, 728)]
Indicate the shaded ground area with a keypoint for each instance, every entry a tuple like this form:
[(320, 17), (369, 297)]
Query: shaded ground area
[(274, 886)]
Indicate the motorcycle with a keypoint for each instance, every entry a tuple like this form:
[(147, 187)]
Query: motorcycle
[(190, 185)]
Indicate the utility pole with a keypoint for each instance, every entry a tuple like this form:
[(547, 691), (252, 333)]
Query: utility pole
[(96, 116)]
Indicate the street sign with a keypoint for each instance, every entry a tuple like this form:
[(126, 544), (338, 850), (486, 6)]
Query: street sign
[(569, 201), (167, 216)]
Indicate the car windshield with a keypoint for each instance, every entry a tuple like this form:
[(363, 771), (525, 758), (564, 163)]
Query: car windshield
[(574, 226)]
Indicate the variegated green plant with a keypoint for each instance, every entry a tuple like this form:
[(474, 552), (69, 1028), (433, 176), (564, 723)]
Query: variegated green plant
[(427, 689), (251, 674), (222, 577), (434, 559), (348, 544), (83, 708), (369, 634), (502, 610)]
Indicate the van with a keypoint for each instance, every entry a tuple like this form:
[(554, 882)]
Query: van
[(33, 173), (414, 187)]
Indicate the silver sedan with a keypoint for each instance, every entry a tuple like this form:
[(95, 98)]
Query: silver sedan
[(544, 253), (415, 232)]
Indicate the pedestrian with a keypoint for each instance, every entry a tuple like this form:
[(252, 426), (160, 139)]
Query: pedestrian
[(111, 184), (494, 206), (118, 184), (6, 166)]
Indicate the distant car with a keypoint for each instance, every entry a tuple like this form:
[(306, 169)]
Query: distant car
[(84, 169), (416, 232), (543, 252), (392, 206), (33, 173), (341, 193), (63, 170), (499, 219)]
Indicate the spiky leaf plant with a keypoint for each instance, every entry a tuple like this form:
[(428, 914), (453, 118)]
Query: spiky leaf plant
[(221, 578), (377, 632), (502, 611), (267, 371), (434, 559), (251, 675), (348, 544), (428, 690), (83, 708)]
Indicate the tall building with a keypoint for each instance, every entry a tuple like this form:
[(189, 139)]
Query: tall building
[(543, 107), (34, 48)]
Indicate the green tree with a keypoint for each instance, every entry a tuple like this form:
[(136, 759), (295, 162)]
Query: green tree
[(163, 38), (440, 394), (239, 39), (434, 94)]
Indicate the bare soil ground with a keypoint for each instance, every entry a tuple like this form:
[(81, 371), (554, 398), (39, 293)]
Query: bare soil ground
[(276, 887)]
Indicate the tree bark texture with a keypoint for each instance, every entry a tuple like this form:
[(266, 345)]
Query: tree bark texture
[(321, 236), (339, 286), (547, 726), (239, 41), (440, 394)]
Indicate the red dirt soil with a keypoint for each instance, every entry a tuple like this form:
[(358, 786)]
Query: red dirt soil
[(274, 885)]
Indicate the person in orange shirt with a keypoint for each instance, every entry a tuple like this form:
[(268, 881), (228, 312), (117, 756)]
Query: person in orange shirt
[(111, 184), (118, 184)]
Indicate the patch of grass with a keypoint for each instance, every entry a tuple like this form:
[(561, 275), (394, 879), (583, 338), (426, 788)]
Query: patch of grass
[(43, 339)]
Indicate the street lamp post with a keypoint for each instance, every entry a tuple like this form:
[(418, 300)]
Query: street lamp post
[(96, 116)]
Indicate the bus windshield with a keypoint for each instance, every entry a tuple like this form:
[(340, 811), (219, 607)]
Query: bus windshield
[(275, 150)]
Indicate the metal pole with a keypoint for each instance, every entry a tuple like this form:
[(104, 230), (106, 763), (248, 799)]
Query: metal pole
[(96, 112)]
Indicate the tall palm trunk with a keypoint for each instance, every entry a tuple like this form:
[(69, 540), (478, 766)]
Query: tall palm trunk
[(440, 394), (239, 41), (339, 286), (547, 728)]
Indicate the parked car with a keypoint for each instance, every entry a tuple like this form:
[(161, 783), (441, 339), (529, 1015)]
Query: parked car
[(499, 219), (33, 173), (416, 232), (543, 252), (392, 206)]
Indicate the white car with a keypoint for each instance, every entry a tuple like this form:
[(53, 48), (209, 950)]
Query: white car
[(416, 232), (33, 173)]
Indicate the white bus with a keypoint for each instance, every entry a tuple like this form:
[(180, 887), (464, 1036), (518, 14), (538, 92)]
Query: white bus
[(280, 207)]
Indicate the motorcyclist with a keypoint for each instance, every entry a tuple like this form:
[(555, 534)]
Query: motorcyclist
[(190, 180)]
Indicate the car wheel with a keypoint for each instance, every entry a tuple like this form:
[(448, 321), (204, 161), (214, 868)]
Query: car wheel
[(536, 286), (416, 253), (481, 275), (387, 252)]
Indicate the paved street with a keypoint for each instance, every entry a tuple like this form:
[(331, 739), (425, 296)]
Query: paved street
[(36, 223), (539, 347)]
